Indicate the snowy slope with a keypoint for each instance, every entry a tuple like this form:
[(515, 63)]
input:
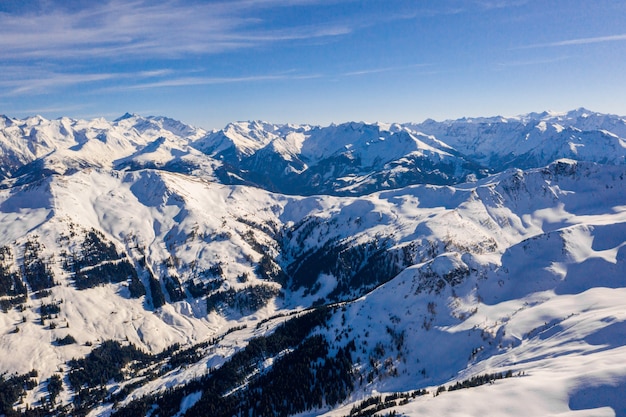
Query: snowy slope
[(359, 158), (37, 146), (132, 231), (346, 159), (535, 139), (548, 307)]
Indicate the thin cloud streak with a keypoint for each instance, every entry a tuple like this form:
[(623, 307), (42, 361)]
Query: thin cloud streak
[(128, 29), (530, 62), (578, 41), (197, 81), (463, 6), (40, 81), (500, 4), (22, 81), (383, 70), (51, 109), (55, 80)]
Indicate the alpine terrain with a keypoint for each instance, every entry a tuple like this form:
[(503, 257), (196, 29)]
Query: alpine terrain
[(466, 267)]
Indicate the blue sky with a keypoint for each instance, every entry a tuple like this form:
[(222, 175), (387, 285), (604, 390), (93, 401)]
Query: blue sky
[(310, 61)]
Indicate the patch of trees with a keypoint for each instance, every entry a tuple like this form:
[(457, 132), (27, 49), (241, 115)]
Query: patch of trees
[(98, 263), (296, 329), (373, 405), (135, 286), (112, 361), (87, 398), (359, 267), (13, 389), (11, 283), (270, 270), (116, 362), (207, 281), (198, 289), (431, 281), (308, 377), (187, 356), (102, 364), (173, 357), (174, 288), (110, 272), (248, 299), (88, 376), (303, 229), (300, 380), (211, 279), (214, 271), (225, 391), (267, 268), (64, 341), (305, 270), (156, 293), (268, 227), (479, 380), (12, 289), (379, 266), (251, 240), (55, 386), (95, 249), (37, 272), (47, 311), (7, 303)]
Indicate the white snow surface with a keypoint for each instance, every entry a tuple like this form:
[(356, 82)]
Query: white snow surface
[(540, 255)]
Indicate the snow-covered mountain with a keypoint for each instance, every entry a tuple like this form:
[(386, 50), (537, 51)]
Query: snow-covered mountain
[(360, 158), (534, 140), (152, 268)]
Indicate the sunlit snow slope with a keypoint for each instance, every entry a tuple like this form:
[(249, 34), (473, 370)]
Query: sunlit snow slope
[(466, 267)]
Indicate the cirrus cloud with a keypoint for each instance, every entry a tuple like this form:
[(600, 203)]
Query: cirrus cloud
[(145, 29)]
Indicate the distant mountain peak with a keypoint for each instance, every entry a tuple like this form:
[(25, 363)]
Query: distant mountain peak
[(147, 266), (125, 116)]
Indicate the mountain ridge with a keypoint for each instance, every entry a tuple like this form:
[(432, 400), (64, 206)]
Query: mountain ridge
[(127, 239)]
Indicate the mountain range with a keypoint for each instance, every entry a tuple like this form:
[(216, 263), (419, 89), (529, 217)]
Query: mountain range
[(464, 267)]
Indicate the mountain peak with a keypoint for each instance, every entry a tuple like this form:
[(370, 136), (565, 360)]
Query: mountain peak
[(580, 112), (126, 116), (5, 120), (207, 267)]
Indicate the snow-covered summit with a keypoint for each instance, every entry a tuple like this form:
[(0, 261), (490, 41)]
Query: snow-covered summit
[(66, 144), (535, 139), (151, 267), (345, 159)]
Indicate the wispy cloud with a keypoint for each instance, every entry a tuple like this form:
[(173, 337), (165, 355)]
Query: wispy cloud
[(155, 73), (579, 41), (49, 109), (19, 80), (61, 45), (57, 80), (185, 81), (146, 29), (31, 81), (197, 81), (530, 62), (383, 70), (499, 4), (456, 7)]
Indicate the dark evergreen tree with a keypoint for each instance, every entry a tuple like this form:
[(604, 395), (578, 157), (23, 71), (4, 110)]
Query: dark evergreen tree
[(55, 386), (136, 287), (158, 298), (67, 340), (36, 272)]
